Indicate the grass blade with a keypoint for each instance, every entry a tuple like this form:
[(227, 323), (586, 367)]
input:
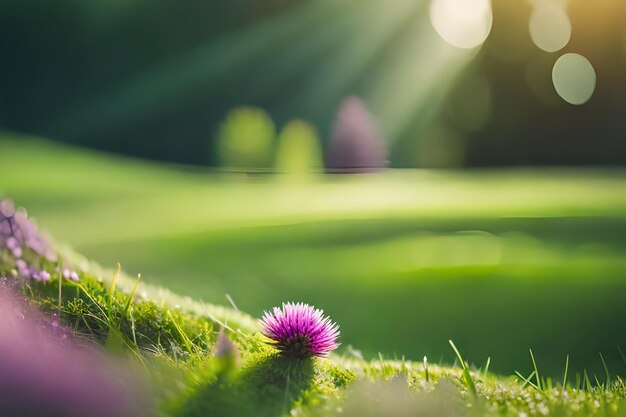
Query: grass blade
[(527, 381), (232, 302), (116, 275), (60, 291), (132, 327), (586, 381), (182, 333), (606, 371), (132, 295), (466, 374), (598, 384), (538, 378), (385, 370), (565, 373), (487, 367), (621, 354)]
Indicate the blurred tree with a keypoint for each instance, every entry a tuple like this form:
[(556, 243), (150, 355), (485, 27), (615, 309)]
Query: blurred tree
[(356, 144), (246, 139), (298, 150)]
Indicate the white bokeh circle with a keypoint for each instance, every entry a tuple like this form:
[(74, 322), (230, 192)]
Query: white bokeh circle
[(462, 23), (574, 78)]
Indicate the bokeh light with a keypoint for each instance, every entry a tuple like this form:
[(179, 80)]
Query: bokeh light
[(550, 27), (574, 78), (462, 23)]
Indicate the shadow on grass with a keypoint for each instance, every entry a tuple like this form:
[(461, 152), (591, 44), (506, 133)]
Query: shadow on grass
[(268, 388)]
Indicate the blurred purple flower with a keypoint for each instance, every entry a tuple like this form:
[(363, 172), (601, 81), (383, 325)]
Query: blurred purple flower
[(16, 231), (226, 348), (28, 248), (14, 246), (7, 208), (26, 232), (27, 272), (299, 330), (43, 374), (71, 275), (356, 144)]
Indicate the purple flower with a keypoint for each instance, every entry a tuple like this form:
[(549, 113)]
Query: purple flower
[(27, 272), (42, 275), (71, 275), (27, 248), (26, 230), (14, 246), (7, 208), (44, 371), (17, 230), (300, 330)]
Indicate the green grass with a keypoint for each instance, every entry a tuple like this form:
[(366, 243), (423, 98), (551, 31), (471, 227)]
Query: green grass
[(500, 261), (381, 274), (191, 378)]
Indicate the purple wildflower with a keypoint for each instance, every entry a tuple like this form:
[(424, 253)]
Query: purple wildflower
[(27, 272), (7, 208), (300, 330), (18, 232), (45, 371), (14, 246), (226, 348), (24, 246), (71, 275)]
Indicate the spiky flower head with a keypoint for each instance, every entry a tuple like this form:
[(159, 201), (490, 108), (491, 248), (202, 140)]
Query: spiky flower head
[(299, 330)]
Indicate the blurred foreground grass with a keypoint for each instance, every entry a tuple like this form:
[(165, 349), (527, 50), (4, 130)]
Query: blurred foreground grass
[(498, 260)]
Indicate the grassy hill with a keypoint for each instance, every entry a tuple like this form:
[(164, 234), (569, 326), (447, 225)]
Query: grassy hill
[(492, 259), (498, 260)]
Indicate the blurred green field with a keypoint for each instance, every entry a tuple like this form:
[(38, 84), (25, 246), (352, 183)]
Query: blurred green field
[(498, 260)]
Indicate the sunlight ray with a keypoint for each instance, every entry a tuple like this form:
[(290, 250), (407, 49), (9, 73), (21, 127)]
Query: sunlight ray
[(420, 70), (195, 72)]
